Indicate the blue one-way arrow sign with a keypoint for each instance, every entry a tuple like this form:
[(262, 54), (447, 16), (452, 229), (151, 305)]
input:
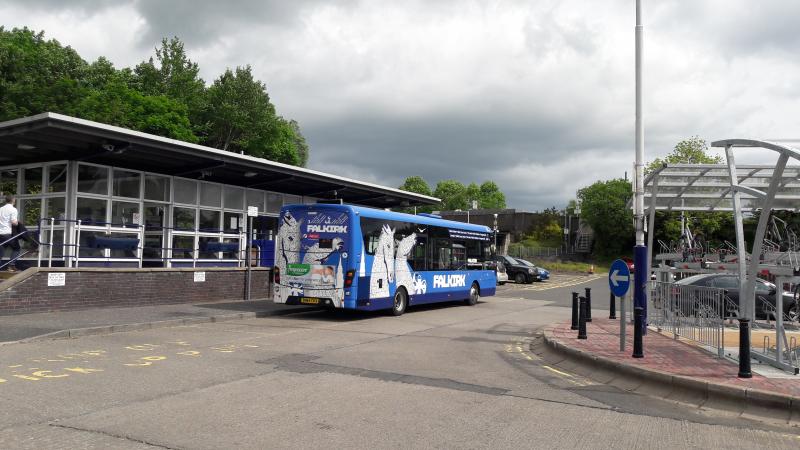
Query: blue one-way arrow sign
[(619, 278)]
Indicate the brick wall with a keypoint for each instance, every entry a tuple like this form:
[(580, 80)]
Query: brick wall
[(94, 287)]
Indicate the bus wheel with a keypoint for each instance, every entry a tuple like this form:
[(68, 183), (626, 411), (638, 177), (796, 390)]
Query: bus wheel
[(474, 295), (400, 302)]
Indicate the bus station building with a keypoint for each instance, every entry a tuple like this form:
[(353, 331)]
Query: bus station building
[(128, 218)]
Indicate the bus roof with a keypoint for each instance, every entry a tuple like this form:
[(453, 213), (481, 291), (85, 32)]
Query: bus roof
[(392, 215)]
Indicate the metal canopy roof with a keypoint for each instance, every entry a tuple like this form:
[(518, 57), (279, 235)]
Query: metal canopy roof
[(707, 187), (50, 137)]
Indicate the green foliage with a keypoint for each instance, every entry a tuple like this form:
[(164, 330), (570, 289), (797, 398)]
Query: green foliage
[(603, 207), (163, 95), (300, 143), (418, 185), (455, 195), (174, 75), (117, 104), (491, 197), (689, 151), (37, 75)]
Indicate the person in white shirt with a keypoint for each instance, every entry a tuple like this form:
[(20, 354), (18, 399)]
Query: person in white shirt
[(8, 220)]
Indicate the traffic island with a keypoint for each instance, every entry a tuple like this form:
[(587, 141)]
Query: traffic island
[(678, 371)]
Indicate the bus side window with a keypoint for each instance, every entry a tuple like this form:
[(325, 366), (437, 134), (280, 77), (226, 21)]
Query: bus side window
[(459, 261), (418, 259), (441, 254)]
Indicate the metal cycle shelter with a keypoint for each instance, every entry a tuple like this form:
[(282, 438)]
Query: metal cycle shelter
[(739, 189)]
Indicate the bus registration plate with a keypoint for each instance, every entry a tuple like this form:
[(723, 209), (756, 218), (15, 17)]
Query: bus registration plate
[(309, 300)]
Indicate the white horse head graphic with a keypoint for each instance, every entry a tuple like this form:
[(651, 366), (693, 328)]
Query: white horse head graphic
[(289, 239), (405, 245), (385, 252)]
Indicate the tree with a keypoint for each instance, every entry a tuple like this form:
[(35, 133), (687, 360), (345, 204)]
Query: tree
[(604, 208), (174, 75), (417, 185), (239, 109), (300, 143), (119, 105), (491, 197), (37, 75), (688, 151), (453, 195)]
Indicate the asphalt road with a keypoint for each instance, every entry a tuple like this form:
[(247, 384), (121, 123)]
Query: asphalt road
[(448, 376)]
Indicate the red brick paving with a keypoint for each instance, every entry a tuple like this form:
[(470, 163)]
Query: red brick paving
[(667, 355)]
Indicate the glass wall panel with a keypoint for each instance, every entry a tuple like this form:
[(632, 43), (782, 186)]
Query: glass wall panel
[(56, 208), (32, 180), (125, 253), (185, 191), (156, 188), (8, 182), (154, 216), (202, 242), (183, 218), (30, 210), (91, 251), (231, 255), (93, 179), (232, 222), (125, 214), (289, 199), (274, 202), (91, 211), (210, 195), (255, 198), (152, 246), (58, 243), (57, 178), (209, 220), (182, 247), (126, 184), (234, 198)]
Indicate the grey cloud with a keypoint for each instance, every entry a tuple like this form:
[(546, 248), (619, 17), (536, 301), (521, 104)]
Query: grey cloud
[(199, 23)]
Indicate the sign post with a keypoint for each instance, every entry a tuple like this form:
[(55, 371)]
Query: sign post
[(619, 281), (252, 211)]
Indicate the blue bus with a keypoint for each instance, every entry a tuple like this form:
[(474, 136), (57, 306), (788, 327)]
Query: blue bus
[(350, 257)]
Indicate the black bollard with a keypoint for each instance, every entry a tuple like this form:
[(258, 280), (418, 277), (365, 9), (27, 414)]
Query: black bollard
[(575, 311), (612, 306), (588, 304), (582, 319), (638, 317), (744, 349)]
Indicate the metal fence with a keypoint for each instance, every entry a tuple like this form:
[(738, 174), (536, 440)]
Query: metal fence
[(691, 312), (519, 251)]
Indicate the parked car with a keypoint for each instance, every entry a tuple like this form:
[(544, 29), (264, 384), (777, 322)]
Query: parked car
[(517, 271), (544, 274), (502, 275), (765, 294)]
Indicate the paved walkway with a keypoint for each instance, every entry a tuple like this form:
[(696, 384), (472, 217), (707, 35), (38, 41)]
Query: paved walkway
[(26, 326), (667, 355)]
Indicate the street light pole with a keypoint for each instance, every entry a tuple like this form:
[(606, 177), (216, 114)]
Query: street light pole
[(641, 264)]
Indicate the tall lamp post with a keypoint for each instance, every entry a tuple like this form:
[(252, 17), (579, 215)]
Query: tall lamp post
[(495, 233), (640, 251)]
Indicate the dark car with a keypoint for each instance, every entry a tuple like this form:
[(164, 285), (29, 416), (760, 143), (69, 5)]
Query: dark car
[(519, 272), (765, 294), (544, 274)]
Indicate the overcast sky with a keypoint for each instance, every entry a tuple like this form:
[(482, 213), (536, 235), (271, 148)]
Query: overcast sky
[(535, 95)]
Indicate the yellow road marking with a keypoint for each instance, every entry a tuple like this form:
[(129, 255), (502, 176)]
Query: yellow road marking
[(82, 370), (559, 372), (44, 374)]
